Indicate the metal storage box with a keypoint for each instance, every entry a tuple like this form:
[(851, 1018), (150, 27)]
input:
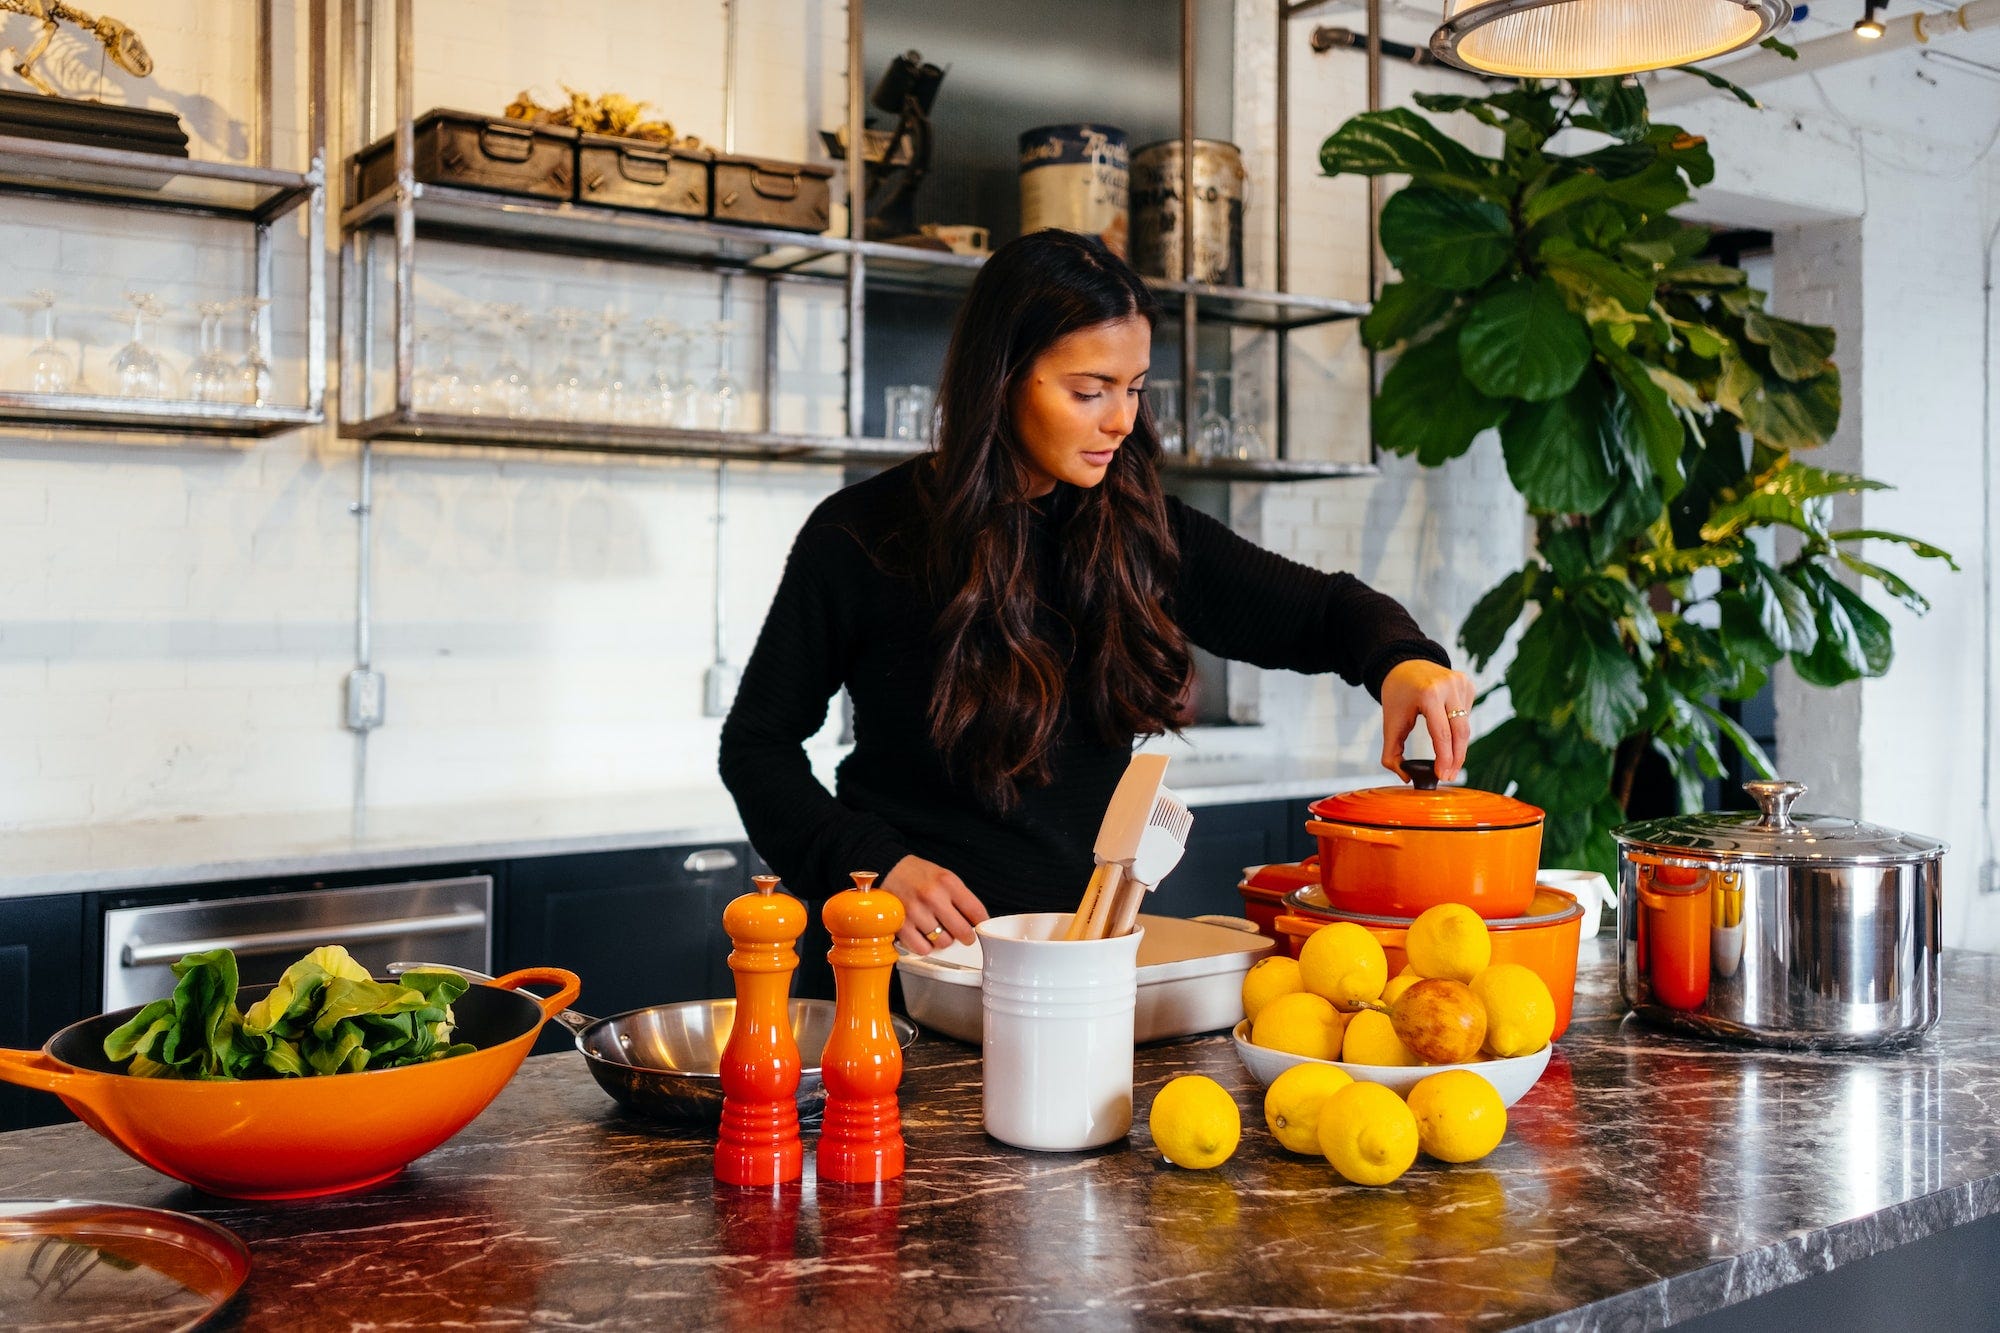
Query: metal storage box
[(477, 152), (639, 174), (793, 196)]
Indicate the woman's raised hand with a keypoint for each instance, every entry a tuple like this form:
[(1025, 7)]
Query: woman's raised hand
[(936, 904), (1442, 698)]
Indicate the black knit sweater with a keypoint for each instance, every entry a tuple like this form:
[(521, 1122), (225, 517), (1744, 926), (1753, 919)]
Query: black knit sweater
[(839, 619)]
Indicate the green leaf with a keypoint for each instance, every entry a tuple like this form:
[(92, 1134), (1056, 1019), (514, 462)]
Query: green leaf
[(1778, 497), (1660, 435), (1854, 638), (1687, 152), (1658, 189), (1609, 691), (1773, 44), (1538, 679), (1566, 552), (1399, 141), (1544, 203), (1702, 275), (1666, 563), (1783, 611), (1892, 583), (1633, 509), (1427, 409), (1591, 274), (1746, 745), (1403, 311), (1620, 161), (1798, 351), (1444, 239), (1523, 342), (1717, 81), (1561, 455), (1619, 109), (1919, 548), (1742, 629), (1445, 103), (1486, 625)]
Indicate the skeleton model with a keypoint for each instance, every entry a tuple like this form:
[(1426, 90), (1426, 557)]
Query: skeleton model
[(119, 42)]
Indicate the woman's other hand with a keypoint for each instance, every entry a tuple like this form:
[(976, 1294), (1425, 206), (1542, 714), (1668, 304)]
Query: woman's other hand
[(933, 897), (1442, 698)]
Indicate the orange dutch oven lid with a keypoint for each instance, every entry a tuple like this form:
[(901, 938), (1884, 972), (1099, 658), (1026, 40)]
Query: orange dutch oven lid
[(1425, 805)]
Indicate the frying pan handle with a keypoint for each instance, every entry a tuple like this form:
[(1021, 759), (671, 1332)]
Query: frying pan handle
[(569, 983), (37, 1069)]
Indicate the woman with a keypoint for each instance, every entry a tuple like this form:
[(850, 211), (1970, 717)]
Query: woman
[(1010, 610)]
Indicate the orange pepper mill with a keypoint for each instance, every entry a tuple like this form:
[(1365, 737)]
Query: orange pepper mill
[(759, 1142), (861, 1138)]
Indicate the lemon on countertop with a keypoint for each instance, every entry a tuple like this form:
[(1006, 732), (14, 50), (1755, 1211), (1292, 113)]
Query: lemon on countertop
[(1368, 1133), (1449, 942), (1293, 1102), (1371, 1040), (1520, 1012), (1194, 1122), (1343, 963), (1269, 979), (1460, 1117), (1300, 1024)]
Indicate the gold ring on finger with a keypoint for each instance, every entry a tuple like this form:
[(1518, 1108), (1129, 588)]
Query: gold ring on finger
[(1455, 712)]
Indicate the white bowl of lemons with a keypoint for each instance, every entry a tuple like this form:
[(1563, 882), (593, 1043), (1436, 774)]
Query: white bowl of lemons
[(1511, 1078), (1451, 1008)]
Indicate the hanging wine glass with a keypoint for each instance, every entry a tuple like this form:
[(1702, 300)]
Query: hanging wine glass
[(662, 396), (565, 396), (253, 372), (1246, 442), (49, 369), (1211, 437), (687, 404), (509, 390), (608, 395), (1166, 396), (211, 378), (459, 390), (140, 371), (724, 394)]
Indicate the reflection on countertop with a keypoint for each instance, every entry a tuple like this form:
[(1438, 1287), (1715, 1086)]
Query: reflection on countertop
[(1647, 1179)]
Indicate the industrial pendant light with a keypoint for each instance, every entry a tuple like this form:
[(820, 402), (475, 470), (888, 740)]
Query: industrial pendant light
[(1574, 39)]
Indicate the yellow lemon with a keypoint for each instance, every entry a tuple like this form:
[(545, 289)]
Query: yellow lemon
[(1459, 1115), (1195, 1122), (1371, 1040), (1301, 1024), (1520, 1012), (1343, 963), (1450, 943), (1368, 1133), (1292, 1104), (1399, 983), (1267, 981)]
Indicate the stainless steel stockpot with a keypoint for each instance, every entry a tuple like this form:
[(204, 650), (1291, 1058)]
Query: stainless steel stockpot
[(1780, 929)]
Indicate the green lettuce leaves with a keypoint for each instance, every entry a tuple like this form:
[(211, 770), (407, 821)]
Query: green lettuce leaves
[(326, 1015)]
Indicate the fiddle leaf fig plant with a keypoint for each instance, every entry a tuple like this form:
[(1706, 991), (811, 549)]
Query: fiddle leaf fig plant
[(1650, 410)]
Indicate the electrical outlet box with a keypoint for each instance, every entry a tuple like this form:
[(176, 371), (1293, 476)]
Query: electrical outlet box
[(1989, 877), (367, 694), (718, 690)]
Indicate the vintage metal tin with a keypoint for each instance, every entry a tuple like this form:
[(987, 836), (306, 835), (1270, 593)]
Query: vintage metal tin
[(1077, 178), (1158, 219)]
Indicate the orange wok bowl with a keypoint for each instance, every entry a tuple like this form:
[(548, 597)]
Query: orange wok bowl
[(296, 1137)]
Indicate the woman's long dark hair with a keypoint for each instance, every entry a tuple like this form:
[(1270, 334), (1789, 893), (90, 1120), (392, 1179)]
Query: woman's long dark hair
[(998, 707)]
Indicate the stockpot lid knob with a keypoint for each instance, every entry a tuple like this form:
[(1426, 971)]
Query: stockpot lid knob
[(1774, 797)]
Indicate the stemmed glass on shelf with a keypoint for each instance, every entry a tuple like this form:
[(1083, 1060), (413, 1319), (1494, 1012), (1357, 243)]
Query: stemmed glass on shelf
[(510, 390), (1246, 442), (724, 394), (49, 369), (1211, 439), (608, 395), (211, 377), (140, 371), (1166, 396), (253, 372), (663, 383), (566, 394)]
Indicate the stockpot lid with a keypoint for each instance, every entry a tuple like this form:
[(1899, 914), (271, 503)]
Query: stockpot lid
[(1774, 833), (1425, 805)]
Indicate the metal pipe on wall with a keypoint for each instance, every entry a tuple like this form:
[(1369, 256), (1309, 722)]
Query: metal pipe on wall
[(857, 221), (1190, 338)]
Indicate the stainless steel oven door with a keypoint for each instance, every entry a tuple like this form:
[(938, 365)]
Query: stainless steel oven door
[(439, 920)]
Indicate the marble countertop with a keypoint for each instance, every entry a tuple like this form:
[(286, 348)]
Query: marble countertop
[(94, 858), (1646, 1179)]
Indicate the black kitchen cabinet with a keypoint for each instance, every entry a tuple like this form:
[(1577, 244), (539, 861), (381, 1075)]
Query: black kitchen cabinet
[(640, 927), (41, 990), (1224, 840)]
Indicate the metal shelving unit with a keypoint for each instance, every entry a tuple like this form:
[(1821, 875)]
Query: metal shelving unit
[(410, 209), (257, 194)]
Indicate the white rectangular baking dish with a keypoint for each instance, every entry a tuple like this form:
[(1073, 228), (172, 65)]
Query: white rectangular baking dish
[(1190, 980)]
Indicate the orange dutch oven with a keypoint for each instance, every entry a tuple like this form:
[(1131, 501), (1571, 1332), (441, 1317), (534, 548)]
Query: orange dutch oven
[(293, 1138), (1394, 851)]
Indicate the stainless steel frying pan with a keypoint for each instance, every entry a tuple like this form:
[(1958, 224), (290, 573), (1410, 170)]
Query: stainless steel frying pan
[(663, 1061)]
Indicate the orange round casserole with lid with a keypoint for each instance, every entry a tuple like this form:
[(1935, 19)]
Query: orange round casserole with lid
[(1394, 851)]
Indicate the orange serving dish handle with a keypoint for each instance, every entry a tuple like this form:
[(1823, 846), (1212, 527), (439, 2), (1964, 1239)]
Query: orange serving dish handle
[(38, 1069), (569, 983)]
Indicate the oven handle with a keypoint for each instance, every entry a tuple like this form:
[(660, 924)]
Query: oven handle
[(140, 954)]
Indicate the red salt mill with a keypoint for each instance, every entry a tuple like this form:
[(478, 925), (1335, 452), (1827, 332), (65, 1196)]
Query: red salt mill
[(759, 1141), (861, 1138)]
